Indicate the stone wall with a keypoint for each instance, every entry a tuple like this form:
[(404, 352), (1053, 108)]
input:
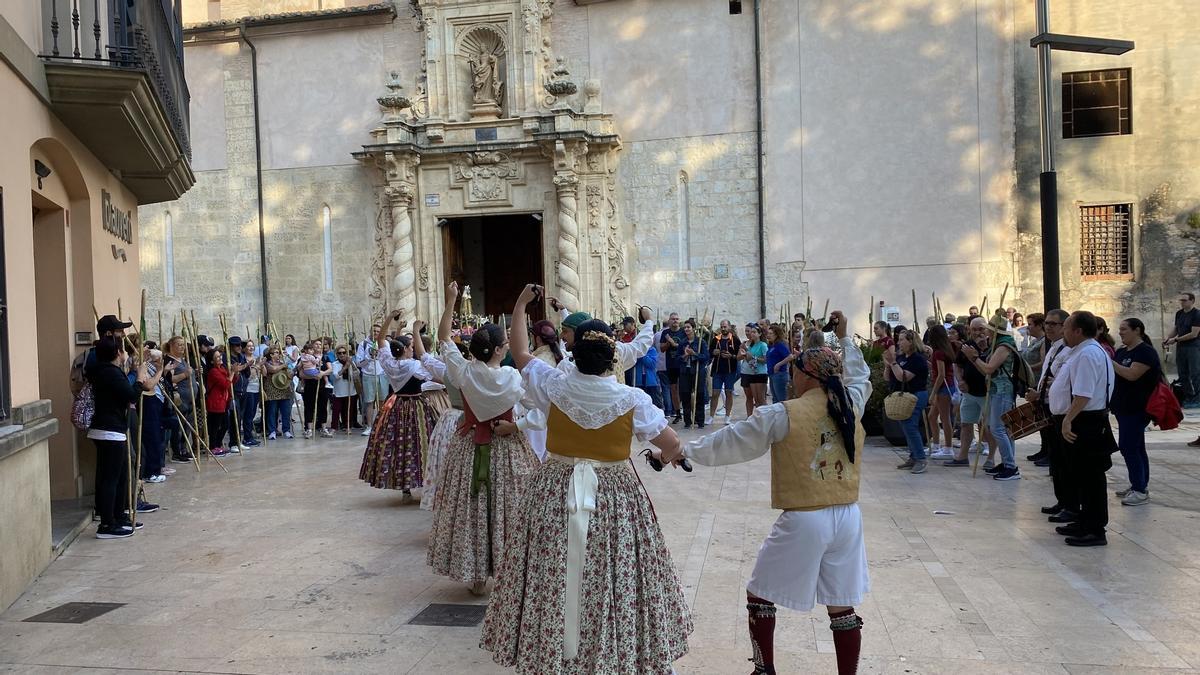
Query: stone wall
[(691, 206), (1154, 168)]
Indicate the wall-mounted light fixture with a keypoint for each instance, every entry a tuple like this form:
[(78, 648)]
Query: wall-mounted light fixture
[(41, 170)]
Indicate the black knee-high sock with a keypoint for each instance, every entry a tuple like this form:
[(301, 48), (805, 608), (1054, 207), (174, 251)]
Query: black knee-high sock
[(847, 640), (762, 634)]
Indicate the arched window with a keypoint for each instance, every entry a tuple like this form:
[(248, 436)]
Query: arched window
[(327, 237), (169, 255)]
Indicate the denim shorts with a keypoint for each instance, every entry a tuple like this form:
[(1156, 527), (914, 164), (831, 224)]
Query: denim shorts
[(971, 410), (725, 381)]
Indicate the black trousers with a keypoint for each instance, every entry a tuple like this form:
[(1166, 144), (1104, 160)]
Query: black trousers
[(692, 397), (218, 424), (1065, 489), (112, 481), (1088, 460)]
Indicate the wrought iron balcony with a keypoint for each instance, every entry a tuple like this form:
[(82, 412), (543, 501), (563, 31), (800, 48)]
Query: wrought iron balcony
[(115, 73)]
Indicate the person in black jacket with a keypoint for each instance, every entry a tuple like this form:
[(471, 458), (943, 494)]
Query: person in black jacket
[(113, 395)]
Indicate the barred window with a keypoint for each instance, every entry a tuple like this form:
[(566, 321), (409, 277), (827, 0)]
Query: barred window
[(1105, 241), (1096, 103)]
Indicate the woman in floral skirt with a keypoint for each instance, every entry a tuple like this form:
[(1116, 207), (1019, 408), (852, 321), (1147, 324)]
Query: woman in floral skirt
[(479, 487), (443, 431), (400, 437), (587, 584)]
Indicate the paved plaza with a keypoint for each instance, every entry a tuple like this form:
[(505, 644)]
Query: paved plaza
[(289, 564)]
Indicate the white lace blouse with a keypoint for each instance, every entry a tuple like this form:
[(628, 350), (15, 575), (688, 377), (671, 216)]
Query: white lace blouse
[(490, 392), (591, 401)]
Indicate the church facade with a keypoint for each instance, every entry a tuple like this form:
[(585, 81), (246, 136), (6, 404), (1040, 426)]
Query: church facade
[(353, 158)]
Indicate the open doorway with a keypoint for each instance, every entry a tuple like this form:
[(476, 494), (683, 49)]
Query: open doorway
[(496, 256)]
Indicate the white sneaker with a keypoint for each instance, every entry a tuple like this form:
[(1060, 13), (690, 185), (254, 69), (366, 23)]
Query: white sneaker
[(308, 433), (325, 433), (366, 432), (942, 453), (288, 434), (243, 448), (271, 437), (157, 478), (1135, 498)]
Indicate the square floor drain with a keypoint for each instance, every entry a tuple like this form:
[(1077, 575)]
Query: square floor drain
[(75, 612), (450, 615)]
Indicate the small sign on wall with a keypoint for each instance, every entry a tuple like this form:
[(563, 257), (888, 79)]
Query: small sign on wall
[(485, 134), (83, 338), (720, 271), (433, 199)]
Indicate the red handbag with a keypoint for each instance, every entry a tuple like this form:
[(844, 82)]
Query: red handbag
[(1163, 407)]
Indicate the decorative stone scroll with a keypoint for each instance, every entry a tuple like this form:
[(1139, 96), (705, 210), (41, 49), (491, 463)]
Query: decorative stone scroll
[(487, 175)]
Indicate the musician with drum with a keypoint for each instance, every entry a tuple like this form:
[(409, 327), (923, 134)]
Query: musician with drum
[(1066, 495)]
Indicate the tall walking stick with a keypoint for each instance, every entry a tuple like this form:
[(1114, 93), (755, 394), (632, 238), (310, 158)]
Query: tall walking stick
[(262, 399), (233, 394), (202, 381)]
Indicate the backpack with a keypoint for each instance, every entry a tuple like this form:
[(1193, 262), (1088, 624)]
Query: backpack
[(1022, 376), (83, 407)]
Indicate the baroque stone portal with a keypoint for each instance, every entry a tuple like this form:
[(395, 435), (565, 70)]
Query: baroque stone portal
[(483, 145)]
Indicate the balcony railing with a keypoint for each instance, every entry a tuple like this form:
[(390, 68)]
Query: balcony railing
[(145, 35)]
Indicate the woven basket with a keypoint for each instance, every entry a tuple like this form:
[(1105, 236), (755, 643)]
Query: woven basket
[(900, 405)]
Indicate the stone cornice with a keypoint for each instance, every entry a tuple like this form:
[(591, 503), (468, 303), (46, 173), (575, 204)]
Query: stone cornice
[(387, 9)]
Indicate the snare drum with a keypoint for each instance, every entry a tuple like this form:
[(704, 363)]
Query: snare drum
[(1026, 419)]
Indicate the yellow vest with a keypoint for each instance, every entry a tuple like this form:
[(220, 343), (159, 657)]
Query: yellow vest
[(810, 468)]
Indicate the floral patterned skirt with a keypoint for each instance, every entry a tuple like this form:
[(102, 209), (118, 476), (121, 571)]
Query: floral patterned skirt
[(439, 400), (398, 444), (469, 533), (439, 443), (634, 619)]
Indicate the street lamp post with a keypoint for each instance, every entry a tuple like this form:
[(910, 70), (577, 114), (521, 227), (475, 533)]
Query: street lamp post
[(1045, 41)]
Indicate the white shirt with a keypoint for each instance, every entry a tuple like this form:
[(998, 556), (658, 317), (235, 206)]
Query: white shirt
[(627, 352), (399, 371), (365, 358), (751, 438), (490, 392), (1056, 357), (342, 386), (1088, 372), (435, 370), (591, 401)]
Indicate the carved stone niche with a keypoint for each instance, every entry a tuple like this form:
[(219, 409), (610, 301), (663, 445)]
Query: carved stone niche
[(486, 177), (482, 61)]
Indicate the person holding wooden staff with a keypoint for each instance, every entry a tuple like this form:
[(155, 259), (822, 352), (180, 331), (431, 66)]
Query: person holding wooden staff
[(374, 382), (279, 393), (184, 397), (693, 375), (1000, 366), (816, 552)]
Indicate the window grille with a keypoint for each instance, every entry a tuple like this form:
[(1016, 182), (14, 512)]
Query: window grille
[(1105, 240), (1096, 103)]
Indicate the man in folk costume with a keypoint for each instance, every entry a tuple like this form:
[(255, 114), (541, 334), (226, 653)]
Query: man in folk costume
[(627, 352), (815, 552)]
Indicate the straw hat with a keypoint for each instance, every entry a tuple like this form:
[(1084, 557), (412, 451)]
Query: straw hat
[(999, 323)]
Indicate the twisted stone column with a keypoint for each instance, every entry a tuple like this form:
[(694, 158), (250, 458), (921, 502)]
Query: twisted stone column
[(404, 274), (568, 240)]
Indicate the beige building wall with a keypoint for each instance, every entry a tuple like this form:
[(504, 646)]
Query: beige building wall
[(57, 264)]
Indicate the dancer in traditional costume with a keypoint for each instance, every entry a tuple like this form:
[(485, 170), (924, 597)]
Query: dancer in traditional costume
[(482, 474), (587, 584), (400, 438), (547, 348), (815, 553), (443, 431)]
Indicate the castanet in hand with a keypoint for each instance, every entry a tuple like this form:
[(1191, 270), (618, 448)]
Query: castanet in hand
[(658, 465)]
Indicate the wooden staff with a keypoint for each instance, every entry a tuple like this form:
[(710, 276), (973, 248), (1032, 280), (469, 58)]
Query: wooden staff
[(202, 381), (192, 447), (1162, 324), (262, 400), (825, 312), (141, 326), (310, 329), (871, 315), (192, 429), (983, 306), (916, 320), (987, 397), (229, 367), (173, 326)]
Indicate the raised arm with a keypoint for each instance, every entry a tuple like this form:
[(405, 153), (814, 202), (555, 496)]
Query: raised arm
[(447, 321), (519, 342), (417, 344)]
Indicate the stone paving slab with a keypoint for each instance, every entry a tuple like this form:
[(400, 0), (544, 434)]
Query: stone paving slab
[(289, 564)]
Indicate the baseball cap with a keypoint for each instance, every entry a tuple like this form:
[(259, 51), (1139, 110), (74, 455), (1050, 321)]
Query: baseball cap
[(576, 320), (108, 323), (235, 341)]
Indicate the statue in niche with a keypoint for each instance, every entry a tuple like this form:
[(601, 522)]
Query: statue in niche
[(486, 85)]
